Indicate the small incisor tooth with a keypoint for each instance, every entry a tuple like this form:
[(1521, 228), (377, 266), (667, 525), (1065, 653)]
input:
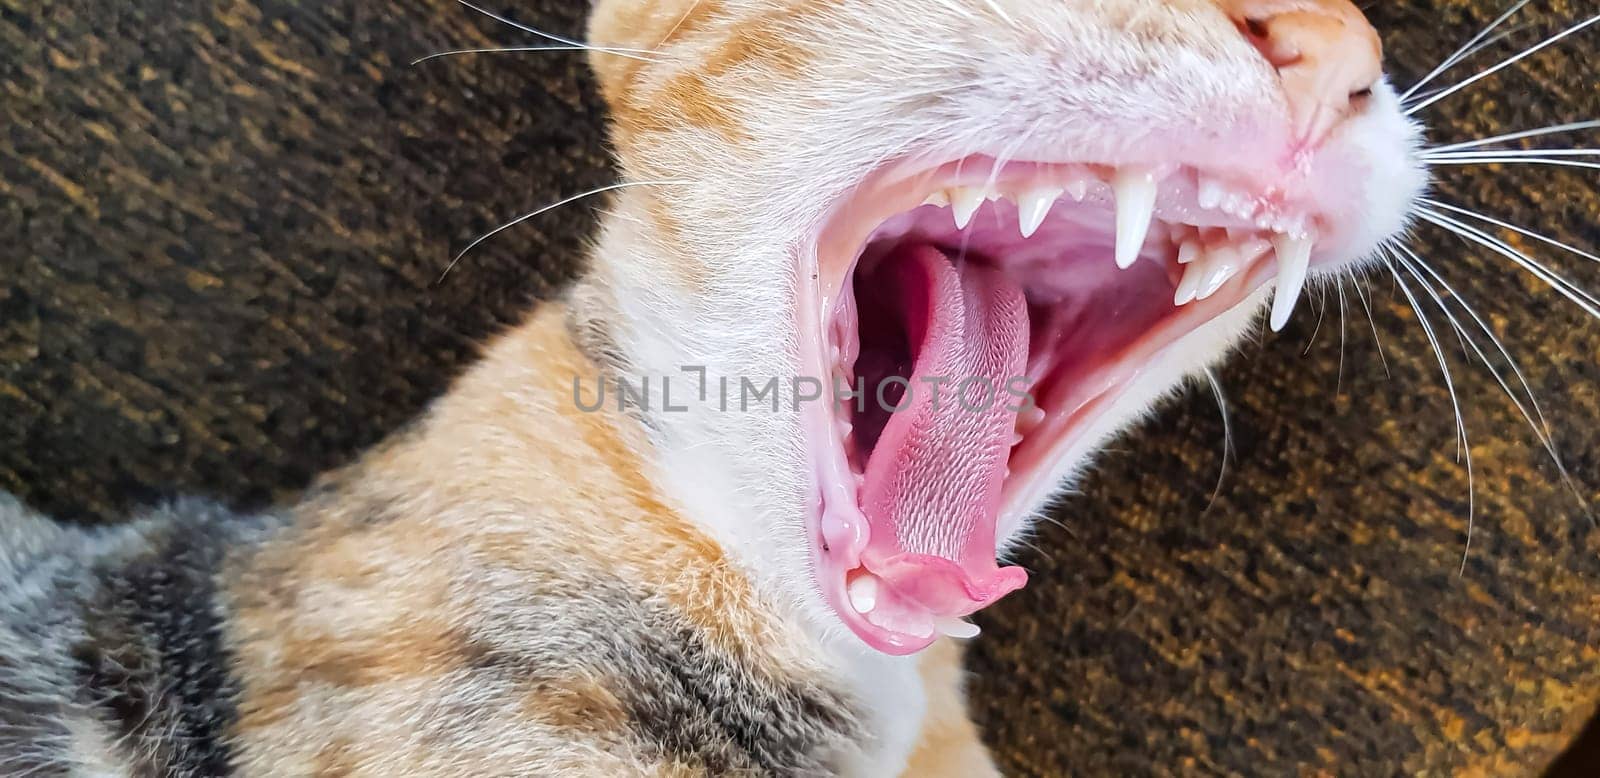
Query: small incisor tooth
[(1033, 206), (1209, 194), (964, 202)]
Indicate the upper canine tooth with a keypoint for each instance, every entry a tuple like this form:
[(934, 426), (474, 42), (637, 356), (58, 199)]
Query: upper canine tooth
[(937, 198), (964, 202), (1294, 262), (1136, 205), (1033, 206)]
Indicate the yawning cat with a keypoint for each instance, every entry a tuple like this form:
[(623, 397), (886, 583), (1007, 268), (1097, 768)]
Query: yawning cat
[(652, 533)]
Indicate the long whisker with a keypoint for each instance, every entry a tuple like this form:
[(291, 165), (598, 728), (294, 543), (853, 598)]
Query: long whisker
[(551, 207), (1439, 161), (1472, 508), (621, 52), (1366, 305), (454, 52), (1444, 364), (1439, 354), (1550, 153), (1556, 281), (1536, 419), (1466, 50), (1227, 434), (1551, 41), (1338, 381), (1514, 228), (1534, 133)]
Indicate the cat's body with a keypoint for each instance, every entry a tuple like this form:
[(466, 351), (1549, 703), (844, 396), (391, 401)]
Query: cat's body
[(516, 585), (499, 590)]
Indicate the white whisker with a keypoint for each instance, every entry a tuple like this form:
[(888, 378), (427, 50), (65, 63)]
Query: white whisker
[(1461, 427), (1551, 153), (1437, 161), (1556, 281), (1534, 133), (1551, 41), (1467, 49), (621, 52), (551, 207), (1338, 381), (1536, 419), (1227, 434), (1366, 305), (454, 52), (1444, 364), (1514, 228)]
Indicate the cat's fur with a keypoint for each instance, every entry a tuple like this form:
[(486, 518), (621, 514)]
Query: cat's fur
[(514, 586)]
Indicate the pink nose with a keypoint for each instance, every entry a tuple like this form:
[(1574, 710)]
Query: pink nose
[(1326, 53)]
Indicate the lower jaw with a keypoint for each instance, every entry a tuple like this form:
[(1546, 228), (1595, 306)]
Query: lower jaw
[(840, 534)]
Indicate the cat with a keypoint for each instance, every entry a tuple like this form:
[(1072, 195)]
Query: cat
[(674, 523)]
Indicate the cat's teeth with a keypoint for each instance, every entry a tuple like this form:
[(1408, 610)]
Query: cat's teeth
[(1294, 262), (1188, 251), (1209, 194), (956, 627), (937, 198), (964, 202), (1220, 265), (1033, 206), (1078, 188), (1207, 268), (863, 591), (1029, 419), (1136, 206), (1187, 286)]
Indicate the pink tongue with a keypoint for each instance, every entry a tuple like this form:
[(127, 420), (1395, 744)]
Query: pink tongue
[(932, 483)]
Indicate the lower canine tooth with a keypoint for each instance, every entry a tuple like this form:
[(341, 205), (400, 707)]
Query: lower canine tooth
[(1294, 262), (1032, 207), (1136, 204), (964, 202)]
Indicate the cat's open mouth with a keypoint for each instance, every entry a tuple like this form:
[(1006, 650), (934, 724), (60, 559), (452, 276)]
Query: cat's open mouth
[(975, 321)]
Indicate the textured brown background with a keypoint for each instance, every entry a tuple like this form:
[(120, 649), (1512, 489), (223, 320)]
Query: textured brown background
[(223, 228)]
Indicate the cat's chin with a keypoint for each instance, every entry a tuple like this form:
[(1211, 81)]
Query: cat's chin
[(1033, 297)]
